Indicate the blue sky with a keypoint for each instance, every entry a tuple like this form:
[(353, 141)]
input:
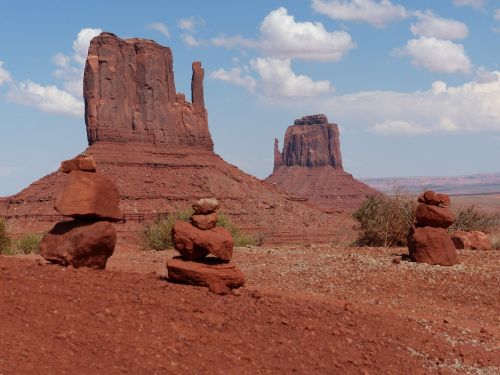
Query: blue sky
[(414, 85)]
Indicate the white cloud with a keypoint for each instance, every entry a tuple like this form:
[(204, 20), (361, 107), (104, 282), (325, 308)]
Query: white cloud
[(470, 107), (46, 98), (187, 24), (277, 80), (399, 128), (376, 13), (280, 35), (160, 27), (4, 75), (478, 4), (497, 14), (430, 25), (82, 42), (190, 40), (6, 171), (437, 55), (234, 76), (69, 70)]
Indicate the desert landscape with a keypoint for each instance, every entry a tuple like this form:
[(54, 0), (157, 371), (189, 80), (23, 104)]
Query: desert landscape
[(148, 253)]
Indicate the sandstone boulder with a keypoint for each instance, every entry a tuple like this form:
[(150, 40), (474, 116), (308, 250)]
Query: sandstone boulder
[(80, 163), (433, 216), (434, 199), (432, 246), (219, 277), (195, 244), (90, 195), (204, 222), (474, 240), (79, 244), (205, 206)]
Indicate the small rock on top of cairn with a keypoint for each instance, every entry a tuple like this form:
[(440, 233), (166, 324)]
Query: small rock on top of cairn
[(82, 162)]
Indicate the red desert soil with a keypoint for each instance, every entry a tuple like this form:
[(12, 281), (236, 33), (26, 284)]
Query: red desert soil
[(316, 309)]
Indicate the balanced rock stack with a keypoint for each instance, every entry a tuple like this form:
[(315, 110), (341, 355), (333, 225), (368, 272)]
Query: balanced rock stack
[(91, 199), (197, 239), (428, 240)]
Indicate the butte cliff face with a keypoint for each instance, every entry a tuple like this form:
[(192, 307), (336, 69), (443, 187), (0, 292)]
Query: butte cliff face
[(130, 96), (310, 166), (156, 147)]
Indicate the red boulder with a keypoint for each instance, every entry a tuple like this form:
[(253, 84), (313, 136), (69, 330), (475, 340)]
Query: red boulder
[(204, 221), (475, 240), (90, 195), (80, 163), (219, 277), (195, 244), (432, 246), (434, 199), (433, 216), (79, 244)]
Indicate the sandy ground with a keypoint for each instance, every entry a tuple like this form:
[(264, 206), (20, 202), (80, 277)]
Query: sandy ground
[(304, 309)]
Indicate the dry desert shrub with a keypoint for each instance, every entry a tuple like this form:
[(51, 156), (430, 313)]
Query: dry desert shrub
[(27, 244), (471, 219), (385, 220), (5, 241)]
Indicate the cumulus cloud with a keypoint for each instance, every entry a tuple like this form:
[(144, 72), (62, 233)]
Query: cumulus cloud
[(437, 55), (281, 36), (4, 75), (46, 98), (470, 107), (430, 25), (190, 40), (277, 80), (236, 77), (160, 27), (82, 42), (478, 4), (187, 24), (69, 71), (497, 14), (376, 13)]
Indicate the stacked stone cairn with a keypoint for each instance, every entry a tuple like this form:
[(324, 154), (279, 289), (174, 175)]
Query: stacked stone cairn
[(428, 240), (91, 200), (196, 239)]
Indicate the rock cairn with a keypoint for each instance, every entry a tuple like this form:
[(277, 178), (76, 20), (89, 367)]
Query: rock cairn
[(428, 240), (91, 199), (197, 239)]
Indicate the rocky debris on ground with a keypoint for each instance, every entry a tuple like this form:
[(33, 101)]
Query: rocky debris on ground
[(88, 240), (82, 162), (89, 195), (474, 240), (428, 239), (310, 166), (194, 244)]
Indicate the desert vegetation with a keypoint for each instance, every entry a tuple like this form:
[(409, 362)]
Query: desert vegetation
[(470, 219), (27, 244), (385, 220), (158, 235)]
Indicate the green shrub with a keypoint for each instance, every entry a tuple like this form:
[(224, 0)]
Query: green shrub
[(28, 243), (384, 220), (470, 219), (158, 236), (5, 241)]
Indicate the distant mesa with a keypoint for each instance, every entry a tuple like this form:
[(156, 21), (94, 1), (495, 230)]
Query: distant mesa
[(310, 166), (157, 148)]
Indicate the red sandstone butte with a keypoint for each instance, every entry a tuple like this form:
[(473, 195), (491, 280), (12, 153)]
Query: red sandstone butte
[(156, 147), (310, 166)]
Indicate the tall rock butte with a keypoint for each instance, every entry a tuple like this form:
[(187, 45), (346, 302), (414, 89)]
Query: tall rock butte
[(157, 148), (310, 166)]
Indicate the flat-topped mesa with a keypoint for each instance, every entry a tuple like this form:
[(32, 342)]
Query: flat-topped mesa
[(310, 142), (130, 96)]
